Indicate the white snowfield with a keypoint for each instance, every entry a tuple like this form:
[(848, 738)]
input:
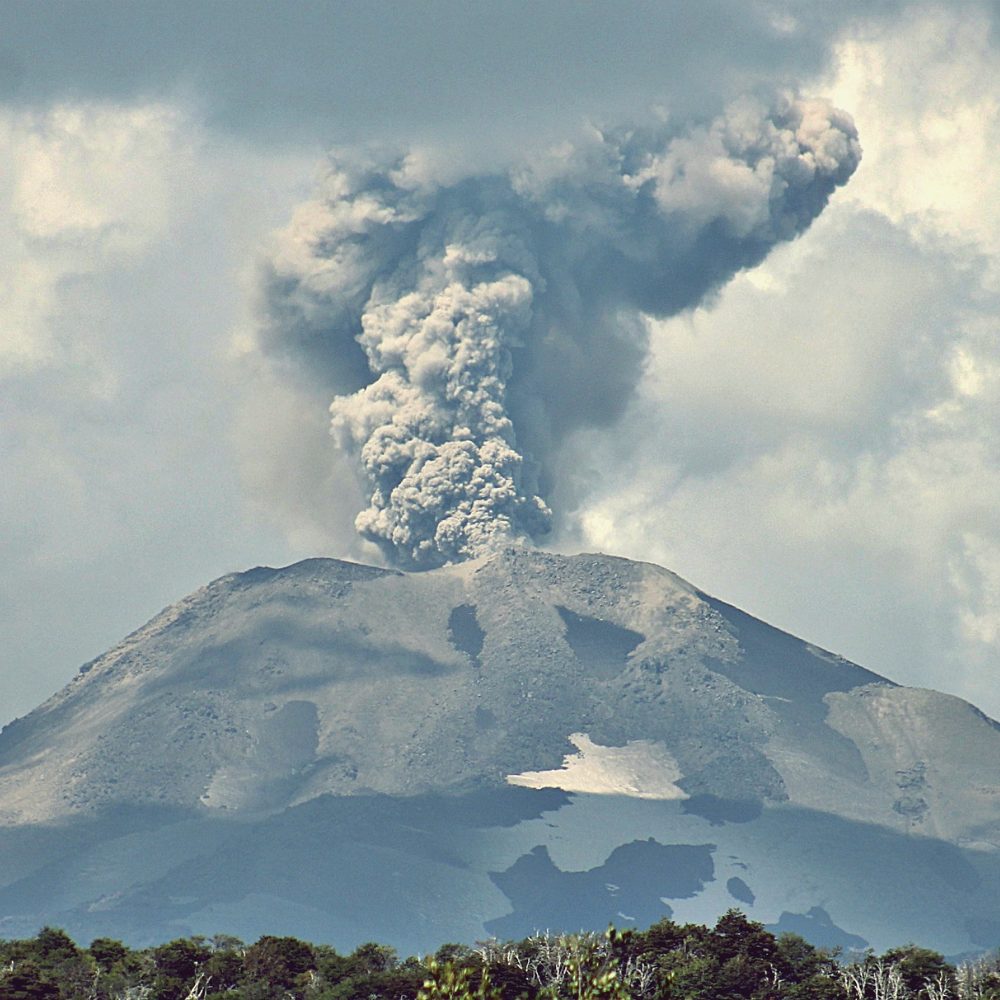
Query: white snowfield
[(641, 769), (525, 730)]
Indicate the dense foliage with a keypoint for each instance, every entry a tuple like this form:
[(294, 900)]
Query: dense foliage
[(736, 959)]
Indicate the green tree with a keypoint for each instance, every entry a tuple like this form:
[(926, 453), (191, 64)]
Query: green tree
[(920, 966), (279, 963), (177, 964), (26, 981), (735, 936), (53, 946), (450, 981), (107, 953)]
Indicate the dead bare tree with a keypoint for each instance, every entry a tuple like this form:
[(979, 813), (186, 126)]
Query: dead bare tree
[(974, 980), (199, 987), (555, 961), (938, 988), (873, 979), (140, 992)]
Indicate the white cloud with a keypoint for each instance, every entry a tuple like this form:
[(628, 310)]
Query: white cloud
[(130, 230), (94, 175), (822, 445), (925, 88), (84, 188)]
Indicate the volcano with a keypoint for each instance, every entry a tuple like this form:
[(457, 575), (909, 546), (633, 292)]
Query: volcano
[(525, 741)]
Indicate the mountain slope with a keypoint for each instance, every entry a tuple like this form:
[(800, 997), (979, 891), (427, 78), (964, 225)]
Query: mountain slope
[(346, 753)]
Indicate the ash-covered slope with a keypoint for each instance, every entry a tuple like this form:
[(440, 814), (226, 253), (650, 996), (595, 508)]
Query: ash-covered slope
[(527, 740)]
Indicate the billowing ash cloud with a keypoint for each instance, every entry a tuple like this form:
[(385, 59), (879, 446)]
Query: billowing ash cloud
[(468, 327)]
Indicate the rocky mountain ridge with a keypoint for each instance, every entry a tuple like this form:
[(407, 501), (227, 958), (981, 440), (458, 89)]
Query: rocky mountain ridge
[(469, 733)]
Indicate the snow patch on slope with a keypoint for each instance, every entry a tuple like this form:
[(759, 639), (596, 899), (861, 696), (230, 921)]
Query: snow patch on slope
[(642, 769)]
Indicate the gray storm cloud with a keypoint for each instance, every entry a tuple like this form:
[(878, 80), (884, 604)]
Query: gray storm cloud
[(467, 327)]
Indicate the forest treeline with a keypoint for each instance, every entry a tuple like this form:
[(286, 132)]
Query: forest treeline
[(737, 959)]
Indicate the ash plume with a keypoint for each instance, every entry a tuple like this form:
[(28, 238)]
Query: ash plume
[(468, 326)]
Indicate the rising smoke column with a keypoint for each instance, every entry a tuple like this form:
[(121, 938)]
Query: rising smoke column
[(469, 326)]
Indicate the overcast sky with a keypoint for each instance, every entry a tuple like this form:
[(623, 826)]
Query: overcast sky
[(818, 442)]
